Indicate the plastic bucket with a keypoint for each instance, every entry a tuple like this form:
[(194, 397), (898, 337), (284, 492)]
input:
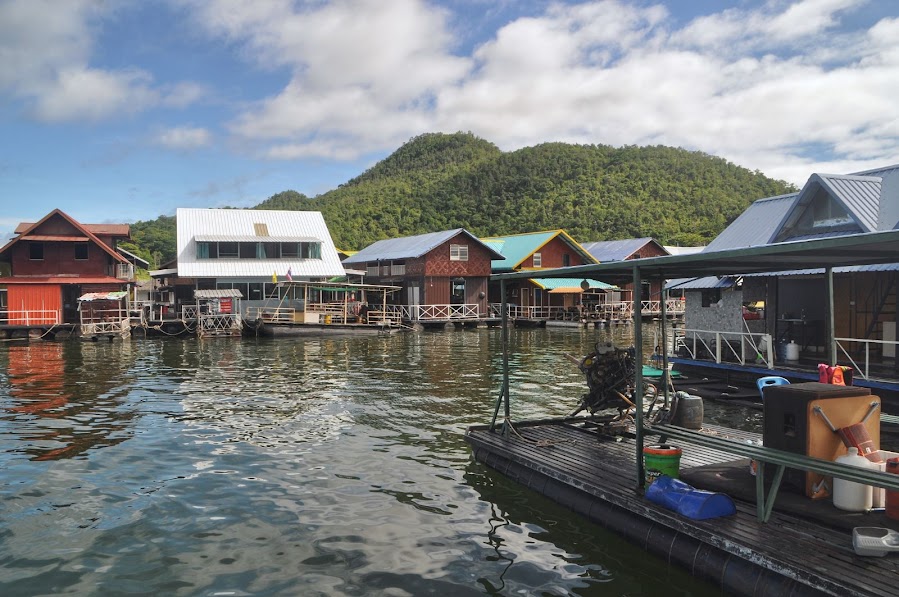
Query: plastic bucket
[(660, 460)]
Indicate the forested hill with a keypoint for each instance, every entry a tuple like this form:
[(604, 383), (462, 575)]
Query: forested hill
[(594, 192)]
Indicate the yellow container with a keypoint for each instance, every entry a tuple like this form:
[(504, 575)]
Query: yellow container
[(327, 319)]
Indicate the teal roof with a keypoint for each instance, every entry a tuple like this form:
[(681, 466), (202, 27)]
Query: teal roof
[(573, 283), (517, 248)]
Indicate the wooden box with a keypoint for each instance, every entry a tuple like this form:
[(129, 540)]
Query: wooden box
[(793, 425)]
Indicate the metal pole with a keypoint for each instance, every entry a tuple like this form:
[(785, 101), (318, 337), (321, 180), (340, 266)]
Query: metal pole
[(505, 395), (829, 326), (666, 378), (638, 371)]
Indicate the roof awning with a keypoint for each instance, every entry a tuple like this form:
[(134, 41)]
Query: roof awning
[(250, 238), (571, 285), (218, 293), (103, 296)]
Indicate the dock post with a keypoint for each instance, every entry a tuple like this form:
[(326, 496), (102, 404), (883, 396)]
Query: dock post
[(829, 325)]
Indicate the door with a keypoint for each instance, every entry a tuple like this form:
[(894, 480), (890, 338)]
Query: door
[(457, 291)]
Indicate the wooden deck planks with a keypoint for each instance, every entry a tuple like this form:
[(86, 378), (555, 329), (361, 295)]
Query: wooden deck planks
[(604, 469)]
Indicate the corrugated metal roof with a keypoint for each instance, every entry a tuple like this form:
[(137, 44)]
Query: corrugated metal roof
[(194, 222), (238, 238), (755, 226), (860, 195), (410, 247), (570, 284), (704, 283), (616, 250), (218, 293), (103, 296), (518, 247), (880, 267)]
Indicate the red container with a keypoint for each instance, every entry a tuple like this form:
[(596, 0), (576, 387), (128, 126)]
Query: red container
[(892, 501)]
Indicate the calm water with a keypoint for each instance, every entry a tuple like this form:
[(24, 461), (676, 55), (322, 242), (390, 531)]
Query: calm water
[(291, 467)]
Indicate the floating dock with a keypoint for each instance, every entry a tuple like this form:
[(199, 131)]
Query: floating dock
[(569, 462)]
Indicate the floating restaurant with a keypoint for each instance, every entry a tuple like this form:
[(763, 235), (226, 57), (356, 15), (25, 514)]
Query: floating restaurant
[(766, 539)]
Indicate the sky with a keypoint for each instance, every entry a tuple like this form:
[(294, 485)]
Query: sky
[(124, 110)]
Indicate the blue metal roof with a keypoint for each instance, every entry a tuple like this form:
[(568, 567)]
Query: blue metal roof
[(755, 226), (704, 283), (616, 250), (411, 247)]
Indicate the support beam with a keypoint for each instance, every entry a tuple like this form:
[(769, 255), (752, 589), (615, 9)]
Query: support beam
[(830, 322), (638, 371)]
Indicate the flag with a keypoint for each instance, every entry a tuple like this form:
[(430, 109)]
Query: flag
[(289, 277), (274, 278)]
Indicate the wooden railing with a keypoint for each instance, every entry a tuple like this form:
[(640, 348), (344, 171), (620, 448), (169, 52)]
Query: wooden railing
[(721, 346), (850, 346), (30, 317), (224, 324)]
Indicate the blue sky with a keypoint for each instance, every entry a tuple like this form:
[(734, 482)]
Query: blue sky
[(124, 110)]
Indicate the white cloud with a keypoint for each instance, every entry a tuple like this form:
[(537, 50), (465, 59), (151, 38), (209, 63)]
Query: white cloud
[(184, 138), (45, 52)]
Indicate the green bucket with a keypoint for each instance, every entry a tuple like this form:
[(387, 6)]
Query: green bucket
[(660, 460)]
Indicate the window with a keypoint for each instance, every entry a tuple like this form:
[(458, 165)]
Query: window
[(290, 249), (228, 250), (566, 260), (458, 252), (80, 251), (36, 251), (711, 297), (538, 260)]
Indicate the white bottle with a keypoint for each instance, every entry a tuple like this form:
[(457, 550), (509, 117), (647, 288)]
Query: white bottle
[(848, 495)]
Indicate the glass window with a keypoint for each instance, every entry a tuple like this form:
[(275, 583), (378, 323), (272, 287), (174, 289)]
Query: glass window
[(228, 250), (81, 251), (566, 260), (248, 250), (202, 250), (290, 249), (458, 252), (538, 260), (36, 251)]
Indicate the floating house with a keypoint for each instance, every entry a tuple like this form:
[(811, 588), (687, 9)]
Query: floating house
[(777, 319), (244, 250), (49, 264), (442, 275), (625, 250), (538, 301), (744, 534)]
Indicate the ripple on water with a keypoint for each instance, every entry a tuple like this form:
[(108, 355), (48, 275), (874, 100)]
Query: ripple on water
[(332, 466)]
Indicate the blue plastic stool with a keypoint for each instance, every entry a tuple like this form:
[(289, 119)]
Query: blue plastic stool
[(771, 380)]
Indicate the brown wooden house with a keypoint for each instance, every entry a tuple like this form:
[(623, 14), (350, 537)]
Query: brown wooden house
[(50, 263), (438, 269)]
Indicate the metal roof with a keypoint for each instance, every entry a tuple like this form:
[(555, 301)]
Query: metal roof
[(866, 249), (196, 223), (248, 238), (570, 284), (704, 283), (616, 250), (218, 293), (103, 296), (412, 247), (518, 247), (755, 226)]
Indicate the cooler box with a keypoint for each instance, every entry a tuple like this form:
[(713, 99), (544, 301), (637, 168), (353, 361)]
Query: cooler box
[(792, 425)]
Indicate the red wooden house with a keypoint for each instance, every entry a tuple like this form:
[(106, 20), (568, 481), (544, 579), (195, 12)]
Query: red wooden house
[(49, 264)]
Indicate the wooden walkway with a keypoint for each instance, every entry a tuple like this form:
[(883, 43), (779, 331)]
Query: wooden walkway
[(596, 477)]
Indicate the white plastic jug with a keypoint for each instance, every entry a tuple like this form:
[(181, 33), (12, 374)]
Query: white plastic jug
[(848, 495)]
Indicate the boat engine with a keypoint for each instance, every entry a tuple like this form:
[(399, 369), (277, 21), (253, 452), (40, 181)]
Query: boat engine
[(610, 374)]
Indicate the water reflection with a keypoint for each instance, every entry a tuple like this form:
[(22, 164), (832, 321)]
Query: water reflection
[(64, 399)]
